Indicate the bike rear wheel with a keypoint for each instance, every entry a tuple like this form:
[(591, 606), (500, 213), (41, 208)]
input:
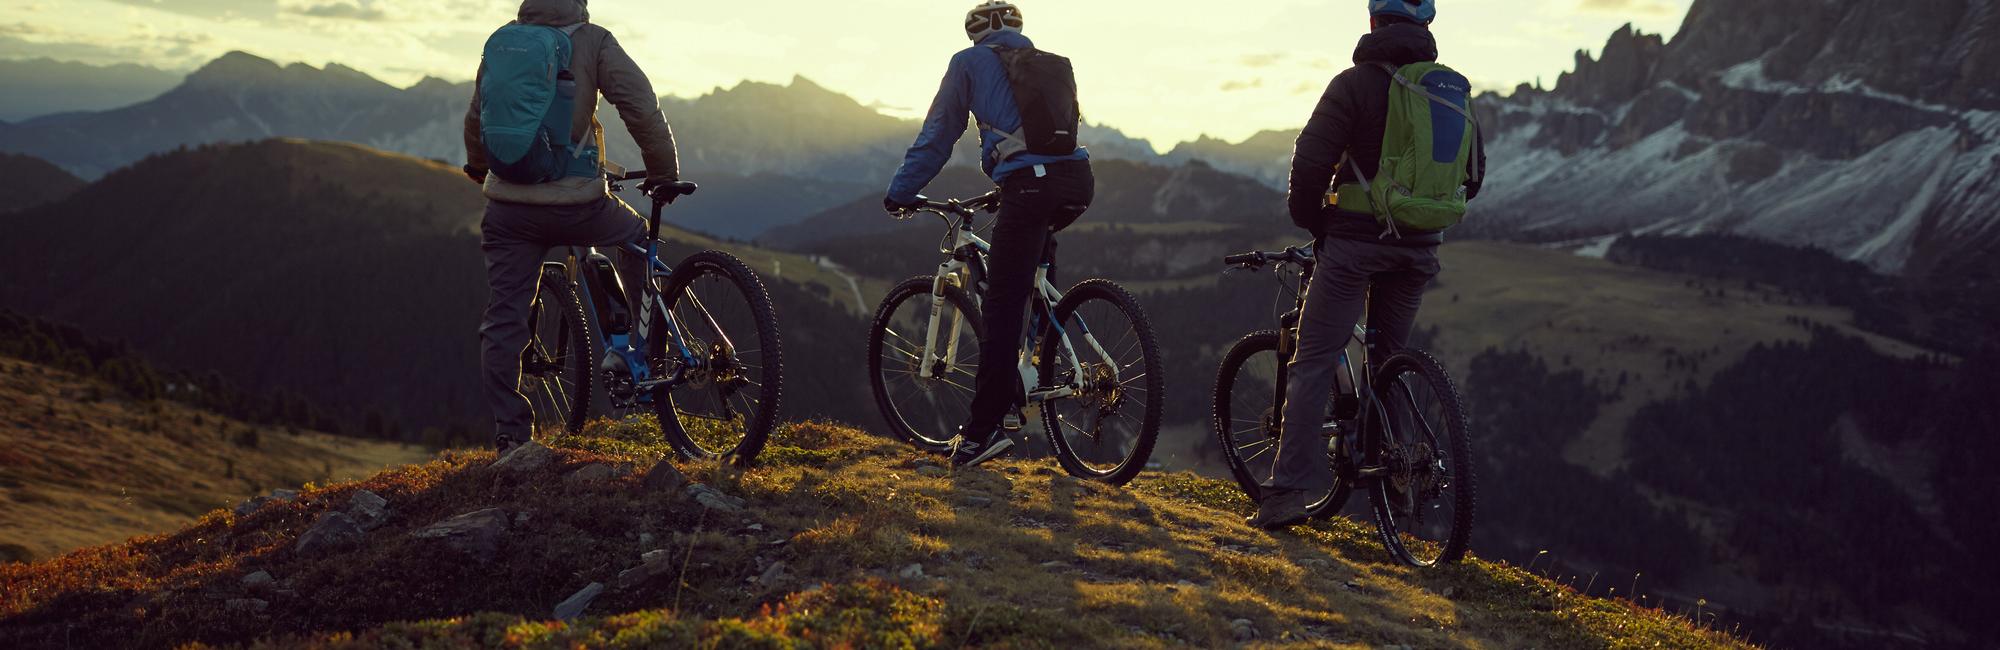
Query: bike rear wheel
[(1248, 418), (1424, 498), (728, 402), (924, 412), (556, 366), (1106, 430)]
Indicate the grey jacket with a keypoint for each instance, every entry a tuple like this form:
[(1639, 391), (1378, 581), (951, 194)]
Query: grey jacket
[(600, 65)]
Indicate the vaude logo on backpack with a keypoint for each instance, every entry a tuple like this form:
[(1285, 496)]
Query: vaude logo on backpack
[(1428, 144), (1044, 87), (526, 102)]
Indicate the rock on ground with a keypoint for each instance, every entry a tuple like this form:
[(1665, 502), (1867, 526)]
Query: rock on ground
[(714, 499), (368, 509), (592, 474), (246, 605), (474, 533), (528, 457), (575, 604), (258, 580), (664, 477), (332, 530)]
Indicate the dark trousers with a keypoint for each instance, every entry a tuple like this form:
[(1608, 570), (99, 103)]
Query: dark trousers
[(516, 238), (1031, 209), (1348, 276)]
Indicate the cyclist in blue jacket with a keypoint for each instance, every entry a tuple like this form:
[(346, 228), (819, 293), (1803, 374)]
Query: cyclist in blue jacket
[(1039, 195)]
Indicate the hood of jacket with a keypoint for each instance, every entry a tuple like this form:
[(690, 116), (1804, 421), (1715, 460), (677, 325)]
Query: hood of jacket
[(1400, 44), (555, 13), (1011, 39)]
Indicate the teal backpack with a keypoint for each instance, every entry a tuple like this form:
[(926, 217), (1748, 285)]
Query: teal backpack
[(526, 102), (1430, 139)]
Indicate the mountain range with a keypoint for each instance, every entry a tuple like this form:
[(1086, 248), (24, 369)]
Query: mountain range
[(1870, 129), (1829, 125), (44, 86)]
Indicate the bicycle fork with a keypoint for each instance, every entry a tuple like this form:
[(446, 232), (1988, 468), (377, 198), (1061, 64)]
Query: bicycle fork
[(931, 359)]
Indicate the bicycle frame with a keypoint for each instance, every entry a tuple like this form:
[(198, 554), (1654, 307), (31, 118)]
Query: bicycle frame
[(966, 249), (631, 347), (1348, 380)]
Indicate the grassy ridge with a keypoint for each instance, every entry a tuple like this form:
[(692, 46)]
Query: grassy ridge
[(83, 464), (1016, 555)]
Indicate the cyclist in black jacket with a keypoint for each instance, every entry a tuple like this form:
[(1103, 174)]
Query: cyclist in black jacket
[(1358, 266)]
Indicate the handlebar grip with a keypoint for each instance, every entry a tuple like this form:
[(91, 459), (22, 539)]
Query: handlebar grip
[(673, 189), (1243, 259)]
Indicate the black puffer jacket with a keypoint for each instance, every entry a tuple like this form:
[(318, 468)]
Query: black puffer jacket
[(1350, 119)]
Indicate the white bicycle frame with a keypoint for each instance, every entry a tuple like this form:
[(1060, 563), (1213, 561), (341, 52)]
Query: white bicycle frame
[(953, 273)]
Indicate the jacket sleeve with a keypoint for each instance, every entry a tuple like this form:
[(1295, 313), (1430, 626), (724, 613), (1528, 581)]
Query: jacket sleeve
[(942, 128), (475, 151), (1317, 152), (622, 82)]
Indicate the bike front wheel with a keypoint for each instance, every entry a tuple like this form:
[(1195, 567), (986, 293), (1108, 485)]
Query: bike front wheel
[(1100, 346), (1248, 420), (924, 411), (722, 341), (556, 366), (1424, 496)]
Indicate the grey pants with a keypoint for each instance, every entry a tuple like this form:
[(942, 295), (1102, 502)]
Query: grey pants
[(516, 238), (1349, 276)]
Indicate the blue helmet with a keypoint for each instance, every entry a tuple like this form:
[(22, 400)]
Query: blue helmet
[(1422, 11)]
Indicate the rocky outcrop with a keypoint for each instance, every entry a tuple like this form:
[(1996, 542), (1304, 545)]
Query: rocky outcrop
[(1856, 127)]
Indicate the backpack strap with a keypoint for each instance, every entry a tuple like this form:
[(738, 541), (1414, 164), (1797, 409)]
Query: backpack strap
[(1469, 119), (1368, 189)]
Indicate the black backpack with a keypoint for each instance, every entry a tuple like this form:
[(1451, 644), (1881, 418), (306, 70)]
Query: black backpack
[(1045, 89)]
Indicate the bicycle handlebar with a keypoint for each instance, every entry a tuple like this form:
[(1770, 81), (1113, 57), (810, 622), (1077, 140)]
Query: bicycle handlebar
[(663, 191), (988, 202), (1258, 259)]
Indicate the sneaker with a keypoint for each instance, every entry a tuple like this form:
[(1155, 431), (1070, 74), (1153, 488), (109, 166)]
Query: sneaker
[(1280, 509), (967, 453)]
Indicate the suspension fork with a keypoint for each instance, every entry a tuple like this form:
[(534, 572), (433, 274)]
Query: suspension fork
[(930, 358)]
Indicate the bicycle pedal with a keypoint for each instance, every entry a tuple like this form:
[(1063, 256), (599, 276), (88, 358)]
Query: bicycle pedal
[(1013, 421)]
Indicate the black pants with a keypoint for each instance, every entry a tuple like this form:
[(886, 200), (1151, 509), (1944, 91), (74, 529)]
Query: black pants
[(1032, 207)]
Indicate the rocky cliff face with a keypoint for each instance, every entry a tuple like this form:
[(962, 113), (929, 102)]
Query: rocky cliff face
[(1867, 128)]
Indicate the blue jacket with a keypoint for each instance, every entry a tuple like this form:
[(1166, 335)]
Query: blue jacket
[(975, 82)]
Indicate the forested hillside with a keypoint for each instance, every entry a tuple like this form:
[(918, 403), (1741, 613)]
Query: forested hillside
[(335, 272)]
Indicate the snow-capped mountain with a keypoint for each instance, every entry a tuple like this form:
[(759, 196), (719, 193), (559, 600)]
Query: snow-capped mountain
[(1870, 129)]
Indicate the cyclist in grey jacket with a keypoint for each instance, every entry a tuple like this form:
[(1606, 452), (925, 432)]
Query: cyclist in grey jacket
[(1357, 267), (1039, 195), (523, 222)]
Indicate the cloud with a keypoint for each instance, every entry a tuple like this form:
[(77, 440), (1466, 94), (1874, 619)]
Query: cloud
[(215, 9), (1233, 86), (166, 50), (1655, 7), (342, 11), (1262, 60)]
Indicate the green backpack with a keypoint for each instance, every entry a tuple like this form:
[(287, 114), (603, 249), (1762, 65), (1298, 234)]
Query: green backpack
[(1427, 146)]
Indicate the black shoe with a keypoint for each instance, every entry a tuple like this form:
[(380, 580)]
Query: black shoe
[(967, 453), (1280, 509), (503, 444)]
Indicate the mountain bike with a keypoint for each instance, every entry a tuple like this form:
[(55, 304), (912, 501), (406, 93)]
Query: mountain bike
[(1396, 428), (702, 355), (1089, 363)]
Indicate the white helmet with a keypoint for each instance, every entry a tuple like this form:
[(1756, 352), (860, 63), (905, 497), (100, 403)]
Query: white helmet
[(992, 17)]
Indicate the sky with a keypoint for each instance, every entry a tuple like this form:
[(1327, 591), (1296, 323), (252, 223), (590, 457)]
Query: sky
[(1165, 70)]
